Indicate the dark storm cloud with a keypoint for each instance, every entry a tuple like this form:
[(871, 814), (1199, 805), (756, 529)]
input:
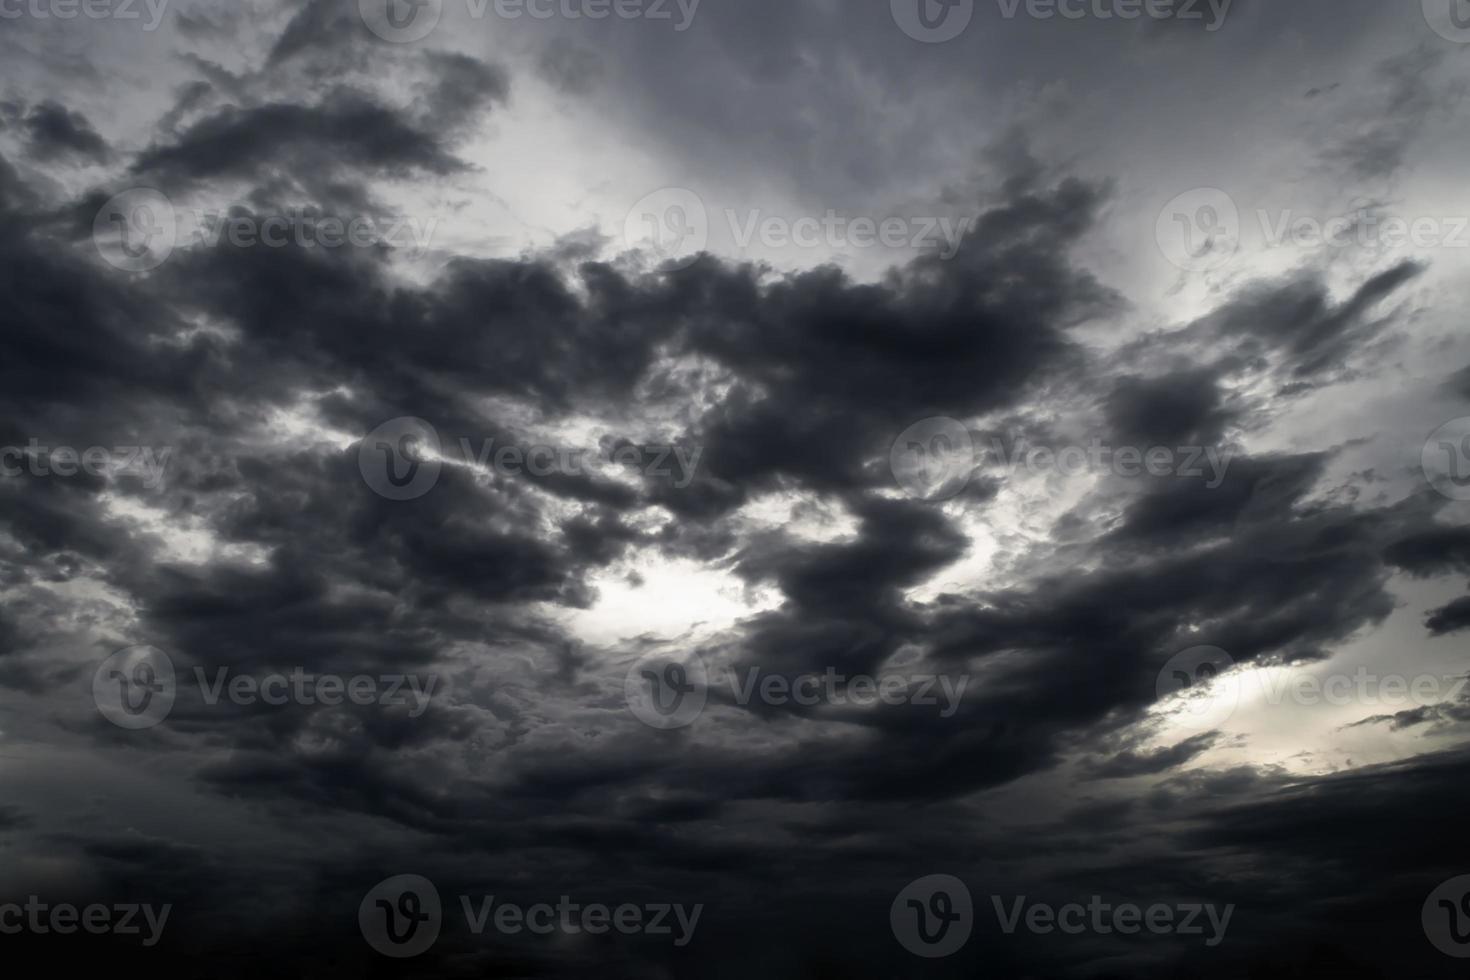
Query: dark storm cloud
[(938, 338), (1305, 832), (1375, 145), (318, 24), (1298, 321), (1175, 410), (528, 771), (1460, 383), (13, 817), (1453, 618), (1131, 762), (1252, 490), (462, 87), (93, 334), (346, 131), (461, 565), (1438, 551), (1441, 718), (57, 132)]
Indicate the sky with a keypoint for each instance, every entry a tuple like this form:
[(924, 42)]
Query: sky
[(728, 488)]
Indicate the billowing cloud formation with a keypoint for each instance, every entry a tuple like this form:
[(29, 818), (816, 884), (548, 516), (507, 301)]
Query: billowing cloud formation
[(238, 391)]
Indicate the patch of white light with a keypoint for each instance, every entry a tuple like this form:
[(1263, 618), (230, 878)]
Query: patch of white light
[(816, 520), (1299, 716), (181, 539), (1010, 533), (667, 599)]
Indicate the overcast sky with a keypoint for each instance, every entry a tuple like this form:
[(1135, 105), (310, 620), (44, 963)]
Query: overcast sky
[(751, 456)]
